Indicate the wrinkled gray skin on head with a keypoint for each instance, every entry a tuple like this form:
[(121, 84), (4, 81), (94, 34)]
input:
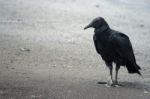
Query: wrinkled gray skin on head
[(96, 23)]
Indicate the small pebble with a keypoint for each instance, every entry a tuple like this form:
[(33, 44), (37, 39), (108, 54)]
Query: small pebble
[(146, 91), (25, 49), (141, 25), (97, 6)]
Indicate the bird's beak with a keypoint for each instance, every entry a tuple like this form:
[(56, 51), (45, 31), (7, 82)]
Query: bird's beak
[(88, 26)]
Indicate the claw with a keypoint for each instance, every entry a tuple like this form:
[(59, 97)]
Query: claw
[(117, 86), (107, 85), (111, 83)]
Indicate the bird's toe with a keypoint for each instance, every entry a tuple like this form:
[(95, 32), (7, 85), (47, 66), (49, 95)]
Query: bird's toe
[(110, 83), (116, 84)]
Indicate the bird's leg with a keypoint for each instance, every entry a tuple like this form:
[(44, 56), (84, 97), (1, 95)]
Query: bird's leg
[(110, 82), (116, 76), (111, 73)]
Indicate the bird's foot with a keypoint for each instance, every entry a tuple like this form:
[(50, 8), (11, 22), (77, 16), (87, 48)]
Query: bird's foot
[(112, 84), (116, 84), (109, 83)]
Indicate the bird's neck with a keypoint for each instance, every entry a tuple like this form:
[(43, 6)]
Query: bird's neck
[(102, 29)]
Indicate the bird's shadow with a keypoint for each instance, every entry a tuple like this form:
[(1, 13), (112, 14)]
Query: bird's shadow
[(101, 82)]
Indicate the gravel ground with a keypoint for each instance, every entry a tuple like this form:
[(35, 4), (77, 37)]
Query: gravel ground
[(46, 54)]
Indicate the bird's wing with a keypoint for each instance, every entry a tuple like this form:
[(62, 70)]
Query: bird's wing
[(122, 47)]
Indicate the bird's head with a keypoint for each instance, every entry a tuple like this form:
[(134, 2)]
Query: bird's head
[(97, 23)]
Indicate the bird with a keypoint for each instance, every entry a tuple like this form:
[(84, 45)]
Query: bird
[(114, 47)]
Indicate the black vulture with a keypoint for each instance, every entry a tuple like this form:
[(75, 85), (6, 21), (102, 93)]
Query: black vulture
[(114, 47)]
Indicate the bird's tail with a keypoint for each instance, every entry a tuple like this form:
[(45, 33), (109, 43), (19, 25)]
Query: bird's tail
[(133, 68)]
